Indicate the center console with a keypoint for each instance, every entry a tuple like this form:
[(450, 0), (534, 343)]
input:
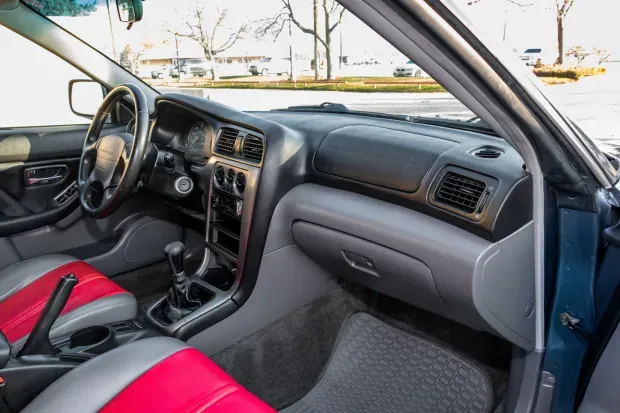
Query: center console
[(230, 189)]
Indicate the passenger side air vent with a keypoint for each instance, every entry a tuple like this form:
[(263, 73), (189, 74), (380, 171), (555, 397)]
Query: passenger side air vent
[(460, 192), (226, 141), (253, 148), (487, 152)]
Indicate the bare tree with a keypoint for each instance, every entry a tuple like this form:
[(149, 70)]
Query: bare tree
[(332, 13), (579, 53), (562, 9), (211, 32), (130, 57), (602, 55)]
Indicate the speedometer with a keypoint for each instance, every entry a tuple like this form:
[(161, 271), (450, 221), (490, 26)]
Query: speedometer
[(196, 140)]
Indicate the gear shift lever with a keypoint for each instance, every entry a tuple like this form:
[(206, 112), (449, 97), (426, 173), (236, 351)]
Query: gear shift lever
[(179, 298)]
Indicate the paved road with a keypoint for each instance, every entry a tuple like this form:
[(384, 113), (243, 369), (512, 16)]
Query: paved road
[(594, 103)]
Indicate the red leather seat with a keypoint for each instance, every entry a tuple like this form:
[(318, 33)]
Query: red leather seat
[(26, 286), (154, 375)]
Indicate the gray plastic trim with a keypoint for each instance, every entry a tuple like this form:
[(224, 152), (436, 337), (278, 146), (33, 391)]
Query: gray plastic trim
[(287, 280), (485, 285), (503, 290)]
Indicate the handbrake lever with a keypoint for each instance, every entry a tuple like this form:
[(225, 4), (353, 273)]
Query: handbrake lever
[(38, 342)]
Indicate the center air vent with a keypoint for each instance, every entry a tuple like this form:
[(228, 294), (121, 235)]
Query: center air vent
[(253, 148), (460, 192), (226, 141), (487, 152)]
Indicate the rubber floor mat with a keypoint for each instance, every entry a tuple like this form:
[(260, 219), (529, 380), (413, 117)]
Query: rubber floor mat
[(376, 368)]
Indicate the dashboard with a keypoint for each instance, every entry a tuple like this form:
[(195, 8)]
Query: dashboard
[(420, 212)]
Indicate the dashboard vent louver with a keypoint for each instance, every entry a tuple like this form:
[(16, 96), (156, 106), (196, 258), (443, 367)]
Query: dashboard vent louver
[(460, 192), (487, 153), (226, 141), (253, 148)]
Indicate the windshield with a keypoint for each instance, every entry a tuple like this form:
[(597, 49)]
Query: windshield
[(224, 50)]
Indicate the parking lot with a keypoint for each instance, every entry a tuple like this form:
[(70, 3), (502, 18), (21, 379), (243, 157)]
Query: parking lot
[(593, 102)]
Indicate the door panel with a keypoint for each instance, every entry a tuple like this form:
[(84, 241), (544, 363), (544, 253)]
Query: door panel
[(37, 166)]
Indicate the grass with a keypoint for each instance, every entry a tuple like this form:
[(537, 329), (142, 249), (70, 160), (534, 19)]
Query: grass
[(232, 77), (550, 81), (574, 73), (342, 87)]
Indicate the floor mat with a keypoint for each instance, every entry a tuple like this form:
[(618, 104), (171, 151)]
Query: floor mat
[(378, 368)]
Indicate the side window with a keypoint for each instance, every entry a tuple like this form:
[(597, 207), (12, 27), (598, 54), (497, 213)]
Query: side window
[(34, 84)]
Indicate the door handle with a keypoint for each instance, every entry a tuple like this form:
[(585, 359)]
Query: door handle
[(44, 175)]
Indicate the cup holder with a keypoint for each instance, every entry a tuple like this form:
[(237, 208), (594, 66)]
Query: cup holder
[(96, 340)]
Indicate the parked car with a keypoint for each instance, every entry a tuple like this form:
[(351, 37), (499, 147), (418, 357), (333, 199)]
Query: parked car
[(198, 69), (271, 65), (168, 71), (408, 69), (537, 57)]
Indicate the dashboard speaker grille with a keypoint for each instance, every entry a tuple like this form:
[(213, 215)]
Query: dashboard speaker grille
[(226, 141), (253, 148), (460, 192)]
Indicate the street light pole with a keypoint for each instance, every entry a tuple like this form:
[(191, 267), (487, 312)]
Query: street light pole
[(114, 54), (176, 42), (290, 50), (340, 66)]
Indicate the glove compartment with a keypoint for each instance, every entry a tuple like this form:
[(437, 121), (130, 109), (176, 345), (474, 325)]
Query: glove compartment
[(372, 265)]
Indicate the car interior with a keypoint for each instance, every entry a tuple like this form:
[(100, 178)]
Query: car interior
[(322, 259)]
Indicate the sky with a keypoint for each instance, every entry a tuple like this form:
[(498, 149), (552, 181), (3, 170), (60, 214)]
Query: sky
[(590, 23)]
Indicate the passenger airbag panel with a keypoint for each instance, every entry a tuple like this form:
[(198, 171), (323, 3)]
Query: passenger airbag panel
[(398, 160)]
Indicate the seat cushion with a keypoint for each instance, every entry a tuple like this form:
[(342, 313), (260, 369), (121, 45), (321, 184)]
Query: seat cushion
[(25, 288), (152, 375)]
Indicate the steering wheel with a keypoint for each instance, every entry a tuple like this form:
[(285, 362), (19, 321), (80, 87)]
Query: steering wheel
[(110, 165)]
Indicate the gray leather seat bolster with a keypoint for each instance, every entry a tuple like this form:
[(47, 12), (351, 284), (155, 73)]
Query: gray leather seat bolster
[(19, 275), (89, 387), (106, 310)]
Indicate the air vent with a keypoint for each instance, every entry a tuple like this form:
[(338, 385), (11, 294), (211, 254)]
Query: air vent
[(460, 192), (253, 148), (487, 153), (226, 141)]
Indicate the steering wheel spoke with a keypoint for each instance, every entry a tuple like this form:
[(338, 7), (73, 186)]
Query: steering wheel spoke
[(90, 149)]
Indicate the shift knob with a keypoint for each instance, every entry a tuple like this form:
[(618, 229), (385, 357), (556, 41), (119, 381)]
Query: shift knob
[(174, 254)]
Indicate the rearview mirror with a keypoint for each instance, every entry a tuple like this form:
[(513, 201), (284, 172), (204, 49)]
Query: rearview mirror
[(129, 11), (85, 96)]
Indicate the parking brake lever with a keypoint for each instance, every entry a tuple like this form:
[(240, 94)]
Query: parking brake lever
[(39, 340)]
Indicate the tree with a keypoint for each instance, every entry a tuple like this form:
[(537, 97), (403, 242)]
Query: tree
[(130, 59), (602, 55), (211, 32), (332, 13), (66, 7), (562, 9), (579, 53)]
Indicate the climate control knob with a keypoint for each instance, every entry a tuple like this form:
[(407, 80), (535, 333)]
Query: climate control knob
[(215, 201)]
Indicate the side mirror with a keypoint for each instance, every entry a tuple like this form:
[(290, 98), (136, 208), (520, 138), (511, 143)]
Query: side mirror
[(129, 11), (85, 96)]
